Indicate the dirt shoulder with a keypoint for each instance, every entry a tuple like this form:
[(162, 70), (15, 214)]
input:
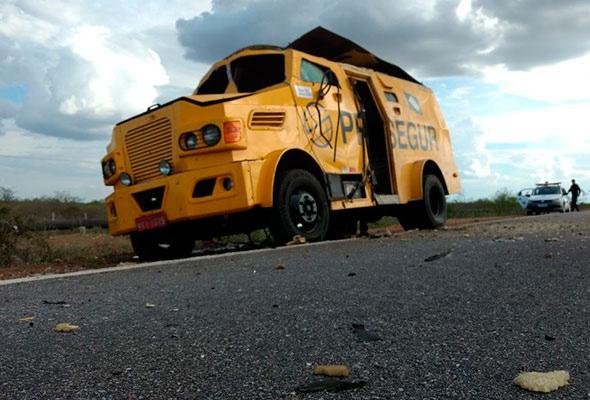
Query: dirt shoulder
[(82, 251)]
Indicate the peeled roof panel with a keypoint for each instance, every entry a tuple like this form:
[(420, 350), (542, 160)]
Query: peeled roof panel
[(323, 43)]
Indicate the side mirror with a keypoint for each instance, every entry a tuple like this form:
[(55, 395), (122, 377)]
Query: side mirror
[(330, 78)]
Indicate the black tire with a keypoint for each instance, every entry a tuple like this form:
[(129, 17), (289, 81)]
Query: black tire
[(529, 213), (430, 212), (300, 208), (152, 246)]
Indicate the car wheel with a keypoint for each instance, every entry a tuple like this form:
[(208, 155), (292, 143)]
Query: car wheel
[(300, 208)]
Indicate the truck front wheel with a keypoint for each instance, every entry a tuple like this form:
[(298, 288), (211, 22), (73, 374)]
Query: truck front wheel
[(428, 213), (300, 207), (151, 246)]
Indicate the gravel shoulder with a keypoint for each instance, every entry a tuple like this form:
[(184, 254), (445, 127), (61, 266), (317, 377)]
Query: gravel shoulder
[(459, 313)]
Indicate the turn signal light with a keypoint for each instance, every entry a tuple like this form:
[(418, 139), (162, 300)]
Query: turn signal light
[(232, 131)]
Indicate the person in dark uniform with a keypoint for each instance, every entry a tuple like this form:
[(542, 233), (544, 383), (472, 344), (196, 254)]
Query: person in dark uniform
[(575, 191)]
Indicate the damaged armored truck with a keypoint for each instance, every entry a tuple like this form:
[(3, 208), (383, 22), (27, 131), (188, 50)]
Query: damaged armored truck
[(305, 140)]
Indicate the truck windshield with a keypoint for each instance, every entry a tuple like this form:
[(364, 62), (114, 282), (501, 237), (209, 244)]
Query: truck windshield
[(546, 190), (216, 83), (252, 73), (249, 73)]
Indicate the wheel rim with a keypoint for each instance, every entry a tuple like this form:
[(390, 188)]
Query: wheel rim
[(304, 211)]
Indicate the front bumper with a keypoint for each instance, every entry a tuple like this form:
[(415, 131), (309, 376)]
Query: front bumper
[(177, 201), (543, 206)]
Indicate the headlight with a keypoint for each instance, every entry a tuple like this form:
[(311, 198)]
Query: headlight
[(188, 141), (108, 168), (165, 167), (125, 179), (211, 135)]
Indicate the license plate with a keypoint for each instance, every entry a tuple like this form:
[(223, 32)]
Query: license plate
[(542, 205), (151, 222)]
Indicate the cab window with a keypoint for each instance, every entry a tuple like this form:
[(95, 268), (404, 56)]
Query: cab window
[(216, 83), (253, 73), (310, 72)]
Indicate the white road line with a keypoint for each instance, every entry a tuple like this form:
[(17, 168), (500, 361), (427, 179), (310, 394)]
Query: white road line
[(161, 263)]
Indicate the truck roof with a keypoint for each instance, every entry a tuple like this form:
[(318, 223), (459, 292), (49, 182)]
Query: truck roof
[(321, 42)]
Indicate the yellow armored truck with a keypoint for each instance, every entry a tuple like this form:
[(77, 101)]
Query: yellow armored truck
[(305, 140)]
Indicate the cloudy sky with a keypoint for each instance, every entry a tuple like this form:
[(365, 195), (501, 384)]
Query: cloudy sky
[(512, 78)]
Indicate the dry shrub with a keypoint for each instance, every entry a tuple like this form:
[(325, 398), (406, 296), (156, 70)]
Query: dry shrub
[(18, 245)]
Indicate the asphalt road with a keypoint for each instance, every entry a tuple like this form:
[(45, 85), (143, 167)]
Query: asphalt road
[(492, 301)]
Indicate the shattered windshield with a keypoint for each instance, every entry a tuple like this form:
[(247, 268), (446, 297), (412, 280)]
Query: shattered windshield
[(249, 74)]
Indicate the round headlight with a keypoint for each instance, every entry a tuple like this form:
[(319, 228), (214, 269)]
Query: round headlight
[(112, 166), (165, 167), (211, 135), (188, 141), (109, 168), (125, 179)]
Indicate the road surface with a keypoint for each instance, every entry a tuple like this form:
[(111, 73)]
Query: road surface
[(458, 314)]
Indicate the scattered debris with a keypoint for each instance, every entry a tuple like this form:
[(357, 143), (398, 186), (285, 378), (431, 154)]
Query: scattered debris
[(351, 274), (549, 338), (26, 319), (330, 385), (280, 267), (65, 327), (149, 305), (437, 256), (548, 255), (58, 302), (362, 335), (553, 239), (127, 263), (543, 382), (331, 370), (297, 239)]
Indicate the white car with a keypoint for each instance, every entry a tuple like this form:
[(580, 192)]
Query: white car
[(546, 197)]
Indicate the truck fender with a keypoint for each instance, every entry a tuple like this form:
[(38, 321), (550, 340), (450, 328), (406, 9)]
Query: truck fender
[(418, 170), (267, 177), (293, 158)]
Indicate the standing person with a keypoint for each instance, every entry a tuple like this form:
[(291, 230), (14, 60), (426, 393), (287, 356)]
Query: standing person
[(575, 191)]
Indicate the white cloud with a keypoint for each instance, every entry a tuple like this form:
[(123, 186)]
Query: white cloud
[(35, 165), (558, 128), (564, 81), (85, 68)]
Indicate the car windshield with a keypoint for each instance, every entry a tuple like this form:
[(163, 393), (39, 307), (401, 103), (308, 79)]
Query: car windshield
[(249, 73), (546, 190)]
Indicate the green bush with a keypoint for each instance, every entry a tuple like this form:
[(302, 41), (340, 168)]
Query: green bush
[(504, 203)]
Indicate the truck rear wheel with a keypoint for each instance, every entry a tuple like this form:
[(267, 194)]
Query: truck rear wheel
[(150, 246), (300, 207), (428, 213)]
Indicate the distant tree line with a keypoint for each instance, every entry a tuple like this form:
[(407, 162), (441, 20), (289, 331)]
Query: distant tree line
[(60, 211)]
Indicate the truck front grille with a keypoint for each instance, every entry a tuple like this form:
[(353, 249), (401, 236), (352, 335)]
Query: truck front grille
[(147, 145)]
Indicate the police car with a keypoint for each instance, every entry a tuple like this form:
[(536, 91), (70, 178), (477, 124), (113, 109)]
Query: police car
[(545, 197)]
